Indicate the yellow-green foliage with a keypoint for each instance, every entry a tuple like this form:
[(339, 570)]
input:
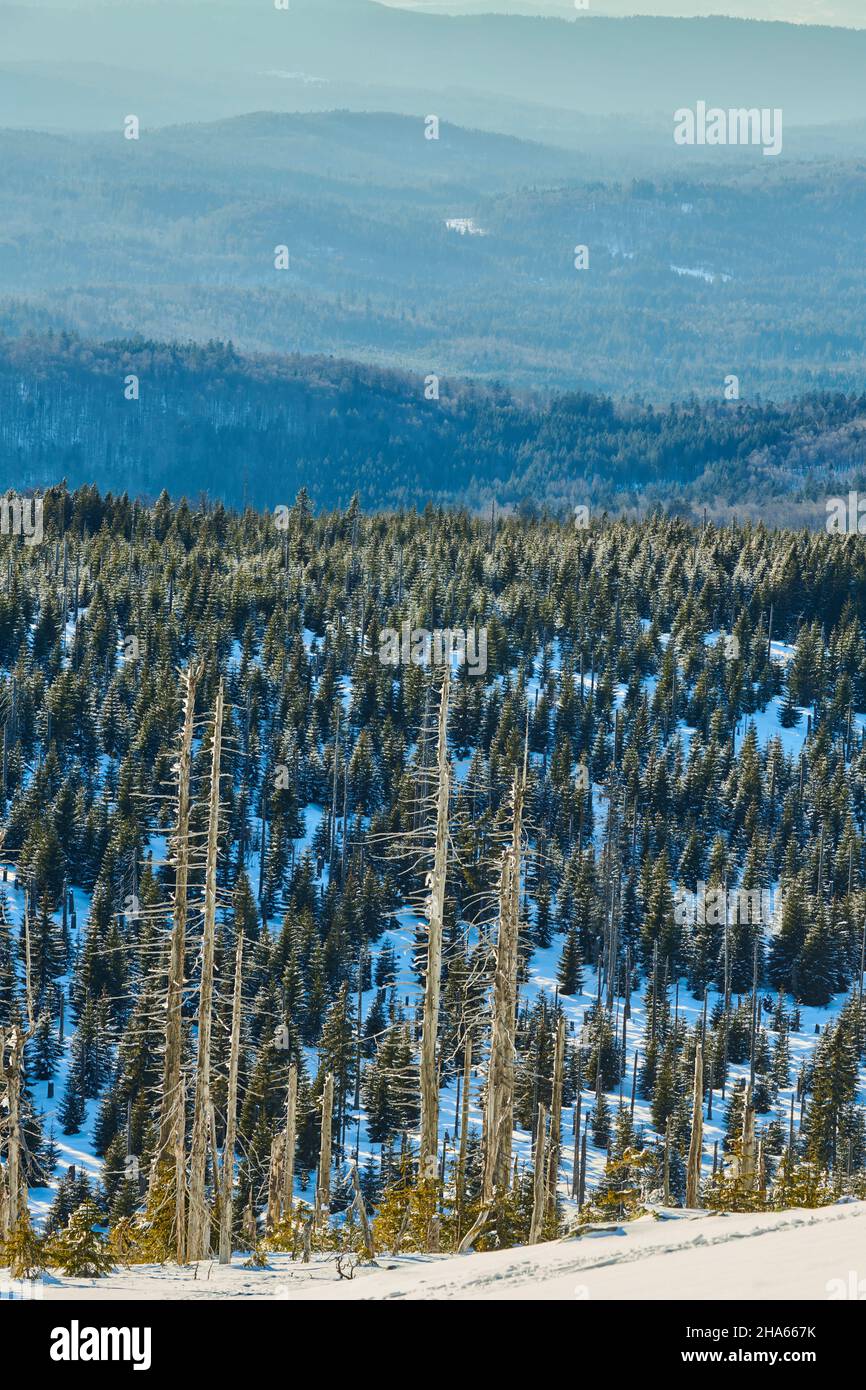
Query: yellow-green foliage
[(288, 1236), (407, 1216), (258, 1257), (124, 1241), (801, 1184), (80, 1251), (619, 1196), (509, 1219), (23, 1251), (155, 1238)]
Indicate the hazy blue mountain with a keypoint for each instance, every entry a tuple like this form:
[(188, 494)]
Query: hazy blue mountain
[(750, 266), (228, 56)]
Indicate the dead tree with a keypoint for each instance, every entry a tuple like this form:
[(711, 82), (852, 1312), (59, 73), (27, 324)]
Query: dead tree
[(361, 1209), (228, 1174), (275, 1182), (667, 1160), (499, 1110), (696, 1147), (180, 1174), (13, 1187), (539, 1184), (555, 1143), (435, 910), (464, 1127), (13, 1192), (199, 1217), (748, 1149), (323, 1182), (172, 1122), (291, 1139)]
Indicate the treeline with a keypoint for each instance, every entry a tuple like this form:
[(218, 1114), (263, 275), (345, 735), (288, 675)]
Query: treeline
[(138, 416)]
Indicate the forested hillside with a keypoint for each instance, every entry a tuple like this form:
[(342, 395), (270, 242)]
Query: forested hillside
[(717, 262), (257, 429), (445, 927)]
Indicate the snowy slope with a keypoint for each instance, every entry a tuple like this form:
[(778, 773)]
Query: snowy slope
[(814, 1255)]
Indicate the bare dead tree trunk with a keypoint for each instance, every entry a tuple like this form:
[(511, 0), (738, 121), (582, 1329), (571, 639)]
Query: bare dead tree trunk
[(180, 1170), (323, 1183), (14, 1199), (367, 1234), (575, 1170), (464, 1127), (555, 1144), (429, 1076), (291, 1139), (171, 1114), (10, 1074), (761, 1176), (199, 1216), (499, 1109), (228, 1174), (747, 1157), (539, 1185), (275, 1182), (696, 1147), (667, 1162), (581, 1189)]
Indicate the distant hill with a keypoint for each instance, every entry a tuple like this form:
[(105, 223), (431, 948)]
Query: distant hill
[(725, 266), (257, 429), (229, 56)]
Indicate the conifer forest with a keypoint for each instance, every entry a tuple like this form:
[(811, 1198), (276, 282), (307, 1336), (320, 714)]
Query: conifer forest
[(432, 658)]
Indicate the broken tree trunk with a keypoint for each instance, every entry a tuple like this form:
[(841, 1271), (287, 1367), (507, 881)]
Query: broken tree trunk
[(228, 1173), (199, 1217), (429, 1075), (696, 1147)]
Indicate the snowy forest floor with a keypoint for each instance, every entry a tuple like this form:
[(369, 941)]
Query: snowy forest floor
[(814, 1255)]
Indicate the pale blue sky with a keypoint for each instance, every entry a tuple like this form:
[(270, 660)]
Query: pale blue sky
[(846, 12)]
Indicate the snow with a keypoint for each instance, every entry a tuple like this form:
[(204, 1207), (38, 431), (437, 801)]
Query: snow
[(812, 1255), (78, 1149)]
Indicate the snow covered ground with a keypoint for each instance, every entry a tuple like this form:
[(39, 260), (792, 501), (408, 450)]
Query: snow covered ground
[(813, 1255)]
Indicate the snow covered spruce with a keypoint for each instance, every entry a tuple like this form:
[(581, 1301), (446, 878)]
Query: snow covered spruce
[(305, 957)]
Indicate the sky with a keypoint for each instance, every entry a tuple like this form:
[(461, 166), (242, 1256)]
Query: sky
[(844, 12)]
